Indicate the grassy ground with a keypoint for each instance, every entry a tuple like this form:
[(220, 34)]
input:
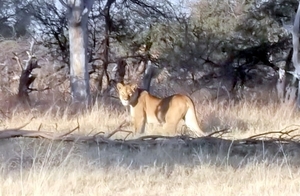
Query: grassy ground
[(243, 119), (31, 167), (86, 178), (41, 167)]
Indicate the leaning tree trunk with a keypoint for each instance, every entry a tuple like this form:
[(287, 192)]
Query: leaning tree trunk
[(295, 57), (78, 11)]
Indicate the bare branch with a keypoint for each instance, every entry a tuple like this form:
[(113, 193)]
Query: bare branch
[(149, 7), (88, 4), (219, 132), (22, 126), (118, 129), (18, 60), (31, 45), (30, 54), (68, 133), (39, 129), (3, 113), (63, 3)]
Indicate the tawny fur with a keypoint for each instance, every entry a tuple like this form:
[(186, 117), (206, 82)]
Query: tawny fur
[(168, 111)]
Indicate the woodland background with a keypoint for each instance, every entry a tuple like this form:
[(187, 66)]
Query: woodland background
[(215, 49), (226, 55)]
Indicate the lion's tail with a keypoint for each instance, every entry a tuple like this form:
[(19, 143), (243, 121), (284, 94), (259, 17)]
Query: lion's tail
[(191, 118)]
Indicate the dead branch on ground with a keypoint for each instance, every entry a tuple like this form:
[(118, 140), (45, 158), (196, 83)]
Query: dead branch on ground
[(272, 139)]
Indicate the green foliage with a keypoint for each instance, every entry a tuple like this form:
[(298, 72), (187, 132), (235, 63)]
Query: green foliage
[(261, 25), (216, 29), (217, 17), (14, 18)]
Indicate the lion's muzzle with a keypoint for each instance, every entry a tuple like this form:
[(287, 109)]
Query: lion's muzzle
[(125, 102)]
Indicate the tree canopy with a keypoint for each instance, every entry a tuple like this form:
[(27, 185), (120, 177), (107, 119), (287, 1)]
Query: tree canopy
[(234, 37)]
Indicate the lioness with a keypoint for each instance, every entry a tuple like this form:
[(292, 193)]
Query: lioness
[(146, 108)]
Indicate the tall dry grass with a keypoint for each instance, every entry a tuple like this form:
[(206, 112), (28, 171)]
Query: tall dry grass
[(41, 167), (242, 118), (37, 167)]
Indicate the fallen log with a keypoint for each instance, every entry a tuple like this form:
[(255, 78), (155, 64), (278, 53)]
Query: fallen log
[(286, 140)]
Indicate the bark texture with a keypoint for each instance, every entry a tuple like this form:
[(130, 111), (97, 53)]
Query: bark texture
[(79, 77)]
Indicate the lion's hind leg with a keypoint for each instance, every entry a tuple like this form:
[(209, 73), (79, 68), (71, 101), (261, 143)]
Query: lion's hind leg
[(171, 121), (192, 123), (169, 129)]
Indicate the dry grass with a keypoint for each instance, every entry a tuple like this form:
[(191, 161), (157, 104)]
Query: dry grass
[(243, 119), (31, 167), (40, 167), (248, 118), (257, 179)]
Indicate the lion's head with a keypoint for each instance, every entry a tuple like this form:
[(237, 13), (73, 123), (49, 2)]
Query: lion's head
[(127, 93)]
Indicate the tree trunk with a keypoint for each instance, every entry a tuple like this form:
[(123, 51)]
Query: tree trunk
[(79, 76), (27, 78), (105, 62), (105, 54), (120, 71), (295, 57), (280, 86), (148, 75), (298, 95)]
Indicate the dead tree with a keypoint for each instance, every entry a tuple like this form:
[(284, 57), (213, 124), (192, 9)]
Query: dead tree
[(119, 75), (135, 73), (294, 30), (26, 78), (148, 75), (120, 71), (78, 12)]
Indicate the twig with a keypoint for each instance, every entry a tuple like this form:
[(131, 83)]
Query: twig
[(272, 132), (129, 132), (220, 132), (78, 125), (91, 132), (22, 126), (116, 130), (18, 60), (3, 113), (38, 90), (39, 129), (100, 132), (31, 45), (119, 130), (68, 133), (153, 137)]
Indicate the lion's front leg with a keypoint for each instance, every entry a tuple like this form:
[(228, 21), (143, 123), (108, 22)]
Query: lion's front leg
[(139, 124)]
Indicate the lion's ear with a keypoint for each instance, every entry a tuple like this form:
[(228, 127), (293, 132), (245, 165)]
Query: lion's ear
[(134, 87), (120, 86)]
